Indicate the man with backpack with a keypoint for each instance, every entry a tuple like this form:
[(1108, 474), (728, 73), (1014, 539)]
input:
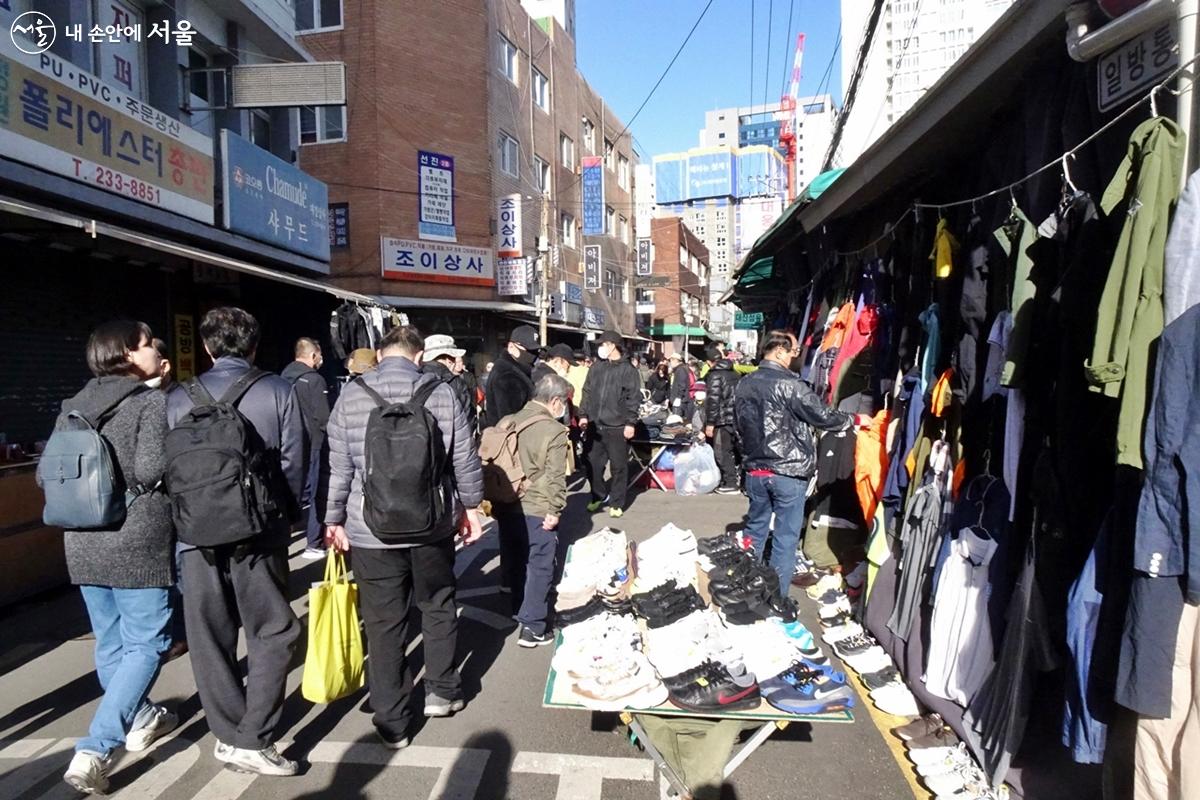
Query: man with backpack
[(235, 470), (312, 393), (402, 478), (609, 411)]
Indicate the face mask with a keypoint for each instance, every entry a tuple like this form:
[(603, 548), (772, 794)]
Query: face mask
[(526, 358), (562, 414), (604, 351)]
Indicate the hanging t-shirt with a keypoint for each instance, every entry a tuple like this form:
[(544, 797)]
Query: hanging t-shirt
[(993, 374), (944, 248)]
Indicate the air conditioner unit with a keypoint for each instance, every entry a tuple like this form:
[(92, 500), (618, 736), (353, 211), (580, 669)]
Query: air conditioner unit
[(320, 83)]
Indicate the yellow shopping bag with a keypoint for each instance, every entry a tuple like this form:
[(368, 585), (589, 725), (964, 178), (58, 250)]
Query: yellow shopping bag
[(333, 665)]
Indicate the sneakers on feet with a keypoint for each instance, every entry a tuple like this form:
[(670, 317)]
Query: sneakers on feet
[(441, 707), (531, 639), (161, 723), (615, 512), (222, 752), (728, 490), (88, 772), (267, 761), (313, 554), (391, 742), (596, 505)]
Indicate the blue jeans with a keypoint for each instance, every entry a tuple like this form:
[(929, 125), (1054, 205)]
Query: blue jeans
[(133, 630), (784, 496)]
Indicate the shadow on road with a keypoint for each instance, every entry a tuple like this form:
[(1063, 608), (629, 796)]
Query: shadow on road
[(494, 784)]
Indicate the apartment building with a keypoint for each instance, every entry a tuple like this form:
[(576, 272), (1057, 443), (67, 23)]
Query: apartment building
[(680, 310)]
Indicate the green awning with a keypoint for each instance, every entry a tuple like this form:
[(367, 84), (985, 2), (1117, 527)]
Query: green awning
[(675, 329), (820, 184)]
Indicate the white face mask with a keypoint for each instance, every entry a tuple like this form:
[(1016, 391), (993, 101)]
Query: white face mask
[(604, 351)]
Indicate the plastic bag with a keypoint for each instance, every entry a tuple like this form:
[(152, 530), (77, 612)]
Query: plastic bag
[(333, 664), (696, 471), (666, 461)]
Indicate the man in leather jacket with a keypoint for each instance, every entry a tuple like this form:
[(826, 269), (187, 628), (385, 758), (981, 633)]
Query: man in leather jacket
[(719, 421), (775, 413)]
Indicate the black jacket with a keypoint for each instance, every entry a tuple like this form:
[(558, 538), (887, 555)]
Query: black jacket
[(721, 381), (462, 390), (612, 394), (508, 389), (658, 388), (681, 384), (775, 413), (312, 392)]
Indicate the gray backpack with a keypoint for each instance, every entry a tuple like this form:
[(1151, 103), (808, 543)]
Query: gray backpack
[(80, 476)]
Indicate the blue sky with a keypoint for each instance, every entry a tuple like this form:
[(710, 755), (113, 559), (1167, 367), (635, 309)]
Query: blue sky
[(624, 45)]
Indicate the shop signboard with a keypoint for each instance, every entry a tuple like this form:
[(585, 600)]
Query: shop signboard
[(645, 263), (118, 57), (669, 173), (644, 308), (436, 197), (653, 282), (591, 267), (593, 195), (593, 317), (711, 175), (574, 293), (508, 227), (747, 322), (412, 260), (511, 277), (65, 120), (268, 199), (185, 347), (1136, 65), (339, 226)]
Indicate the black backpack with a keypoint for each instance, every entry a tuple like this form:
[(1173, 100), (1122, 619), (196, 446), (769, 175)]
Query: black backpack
[(223, 483), (405, 497)]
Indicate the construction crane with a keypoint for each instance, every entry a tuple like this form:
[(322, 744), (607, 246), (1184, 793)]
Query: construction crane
[(787, 112)]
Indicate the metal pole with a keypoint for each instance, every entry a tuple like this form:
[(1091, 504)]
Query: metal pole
[(544, 274), (1187, 98)]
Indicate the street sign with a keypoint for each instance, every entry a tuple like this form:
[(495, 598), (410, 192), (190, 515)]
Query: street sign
[(653, 282), (511, 278), (747, 322), (644, 265), (1135, 65), (339, 226), (436, 197), (508, 229), (593, 195), (591, 266)]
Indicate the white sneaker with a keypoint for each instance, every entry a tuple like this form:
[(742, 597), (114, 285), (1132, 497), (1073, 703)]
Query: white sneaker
[(834, 635), (961, 779), (162, 723), (955, 760), (313, 554), (441, 707), (222, 752), (88, 772), (261, 762), (872, 660), (897, 700), (924, 756), (827, 582)]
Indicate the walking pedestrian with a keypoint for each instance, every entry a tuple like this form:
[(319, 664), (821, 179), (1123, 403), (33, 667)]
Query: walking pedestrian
[(123, 571), (609, 410), (659, 383), (242, 581), (312, 393), (392, 576), (682, 379), (443, 360), (719, 422), (510, 384), (775, 413)]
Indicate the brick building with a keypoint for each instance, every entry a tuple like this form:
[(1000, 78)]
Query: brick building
[(681, 305)]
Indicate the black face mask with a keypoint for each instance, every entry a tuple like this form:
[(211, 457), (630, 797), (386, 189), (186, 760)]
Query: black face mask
[(526, 358)]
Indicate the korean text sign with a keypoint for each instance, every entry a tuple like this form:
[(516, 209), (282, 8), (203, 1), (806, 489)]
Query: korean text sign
[(268, 199), (407, 259), (645, 265), (593, 195), (436, 187), (64, 120), (508, 226), (591, 266), (510, 277)]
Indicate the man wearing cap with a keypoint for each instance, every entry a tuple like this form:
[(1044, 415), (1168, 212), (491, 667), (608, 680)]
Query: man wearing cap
[(441, 360), (610, 403), (558, 360), (511, 384)]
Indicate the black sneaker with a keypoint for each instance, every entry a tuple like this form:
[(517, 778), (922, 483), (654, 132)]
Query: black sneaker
[(715, 691), (723, 543), (853, 645), (837, 620), (530, 639), (881, 678), (573, 615)]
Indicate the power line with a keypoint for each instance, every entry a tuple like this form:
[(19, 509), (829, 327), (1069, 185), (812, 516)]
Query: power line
[(770, 28), (750, 100), (829, 67), (786, 63), (864, 51)]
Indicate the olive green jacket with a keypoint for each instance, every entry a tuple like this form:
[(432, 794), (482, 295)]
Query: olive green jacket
[(543, 448)]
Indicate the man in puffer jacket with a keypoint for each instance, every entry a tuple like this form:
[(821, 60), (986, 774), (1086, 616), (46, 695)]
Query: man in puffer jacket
[(775, 413), (392, 577), (719, 421)]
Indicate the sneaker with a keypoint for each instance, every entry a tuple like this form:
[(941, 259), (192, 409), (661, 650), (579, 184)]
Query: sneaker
[(88, 772), (828, 582), (832, 597), (832, 611), (267, 761), (728, 490), (161, 723), (806, 578), (802, 691), (956, 781), (943, 737), (881, 678), (313, 554), (872, 660), (918, 728), (924, 757), (596, 505), (955, 760), (844, 631), (615, 513), (854, 645), (573, 616), (441, 707), (714, 690), (222, 752), (530, 639), (391, 742), (897, 700)]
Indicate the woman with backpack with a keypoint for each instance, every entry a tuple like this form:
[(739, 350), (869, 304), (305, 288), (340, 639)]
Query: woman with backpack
[(124, 569)]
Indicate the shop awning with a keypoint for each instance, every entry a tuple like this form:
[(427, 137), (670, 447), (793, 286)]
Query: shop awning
[(402, 303), (677, 330)]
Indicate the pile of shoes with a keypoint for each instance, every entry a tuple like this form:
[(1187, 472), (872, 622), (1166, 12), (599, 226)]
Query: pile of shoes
[(668, 555), (945, 765), (598, 578), (601, 658), (745, 589)]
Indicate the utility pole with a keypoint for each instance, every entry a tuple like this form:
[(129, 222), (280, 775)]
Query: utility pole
[(543, 247)]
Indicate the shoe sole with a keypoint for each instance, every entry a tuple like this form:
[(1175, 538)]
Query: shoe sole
[(528, 645), (444, 711), (234, 766), (390, 745), (140, 744), (80, 784)]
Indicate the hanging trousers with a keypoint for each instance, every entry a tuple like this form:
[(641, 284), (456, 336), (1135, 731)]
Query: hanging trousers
[(1167, 757)]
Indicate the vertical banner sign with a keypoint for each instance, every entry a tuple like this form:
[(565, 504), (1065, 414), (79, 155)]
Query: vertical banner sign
[(511, 277), (339, 226), (436, 200), (118, 54), (591, 266), (184, 367), (644, 266), (508, 228), (593, 195)]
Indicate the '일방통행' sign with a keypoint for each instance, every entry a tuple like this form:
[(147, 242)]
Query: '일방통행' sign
[(268, 199)]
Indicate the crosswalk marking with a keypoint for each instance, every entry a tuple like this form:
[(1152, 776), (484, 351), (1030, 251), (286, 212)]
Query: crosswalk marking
[(21, 779), (582, 777), (460, 769)]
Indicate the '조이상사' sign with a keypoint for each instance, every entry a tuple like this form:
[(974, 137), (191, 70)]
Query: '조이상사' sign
[(436, 221), (511, 277), (268, 199), (407, 259), (508, 226), (65, 120), (593, 195)]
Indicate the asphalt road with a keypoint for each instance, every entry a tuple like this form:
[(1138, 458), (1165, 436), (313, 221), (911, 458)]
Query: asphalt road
[(504, 745)]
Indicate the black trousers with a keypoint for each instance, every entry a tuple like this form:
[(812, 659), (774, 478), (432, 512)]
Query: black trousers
[(609, 449), (389, 581), (726, 454), (222, 590)]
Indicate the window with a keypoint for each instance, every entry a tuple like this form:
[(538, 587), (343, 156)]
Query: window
[(589, 136), (321, 124), (720, 135), (683, 258), (509, 153), (539, 84), (608, 156), (508, 58), (623, 173), (566, 151), (199, 82), (567, 229), (623, 230), (610, 284), (610, 220), (318, 15), (260, 129), (541, 174)]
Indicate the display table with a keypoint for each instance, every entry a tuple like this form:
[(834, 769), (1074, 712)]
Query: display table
[(648, 464)]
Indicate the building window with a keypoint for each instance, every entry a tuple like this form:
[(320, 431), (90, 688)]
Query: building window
[(623, 230), (610, 284), (509, 153), (623, 173), (608, 156), (318, 15), (589, 136), (610, 220), (624, 290), (322, 124), (567, 229), (566, 151), (260, 129), (508, 58), (720, 135), (539, 85), (541, 173)]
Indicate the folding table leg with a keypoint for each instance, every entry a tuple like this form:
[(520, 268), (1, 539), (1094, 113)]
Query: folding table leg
[(755, 742)]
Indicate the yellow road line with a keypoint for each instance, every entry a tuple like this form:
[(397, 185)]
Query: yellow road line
[(884, 723)]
